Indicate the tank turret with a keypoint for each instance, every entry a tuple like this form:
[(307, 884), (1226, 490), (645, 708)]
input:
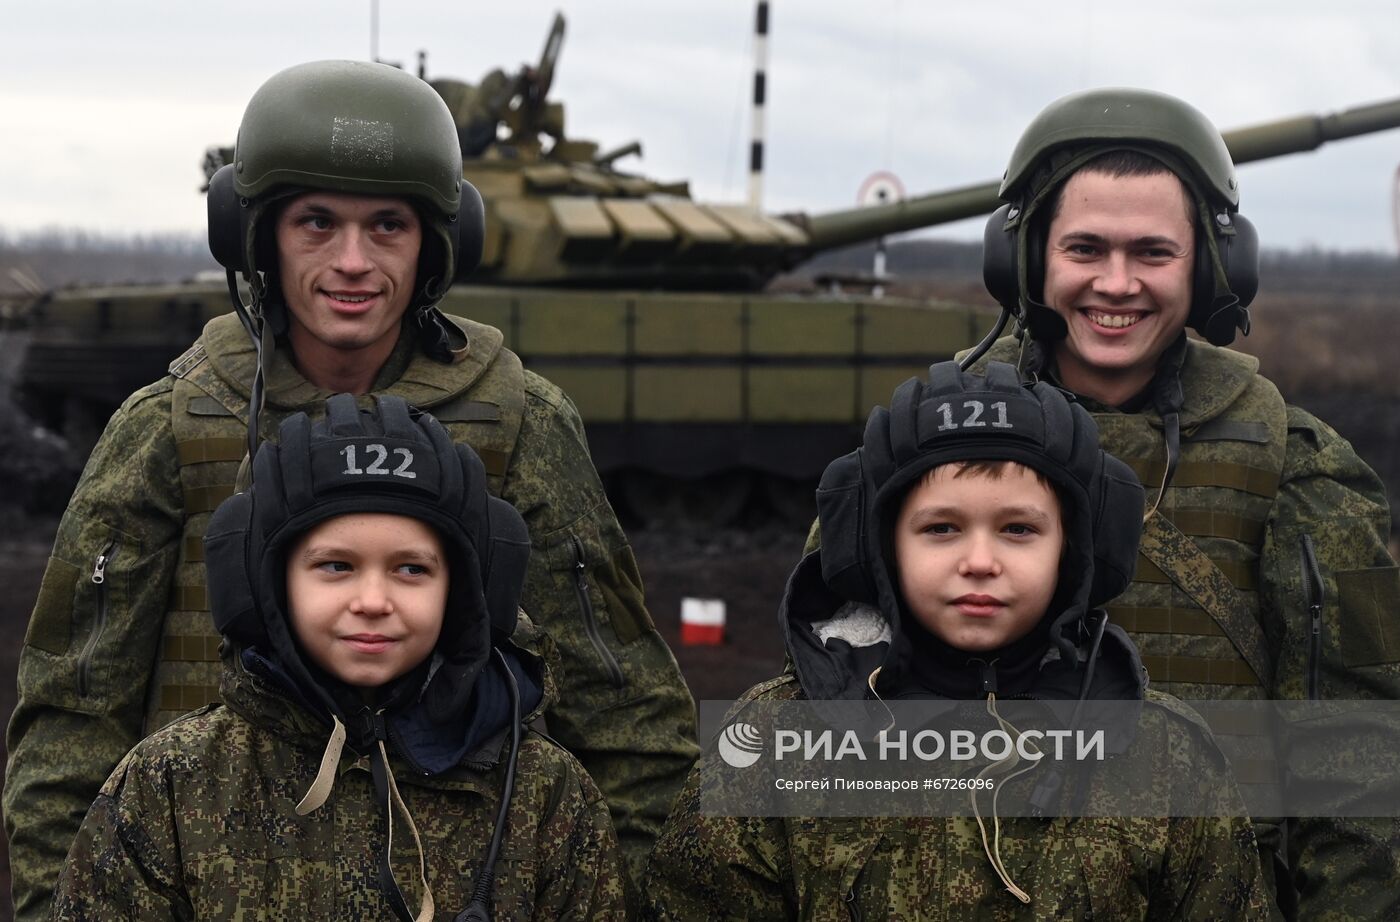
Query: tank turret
[(560, 213)]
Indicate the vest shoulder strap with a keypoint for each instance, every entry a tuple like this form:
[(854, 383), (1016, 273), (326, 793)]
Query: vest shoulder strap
[(1183, 561)]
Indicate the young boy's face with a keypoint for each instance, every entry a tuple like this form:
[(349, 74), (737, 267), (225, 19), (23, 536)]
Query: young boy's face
[(367, 595), (978, 554)]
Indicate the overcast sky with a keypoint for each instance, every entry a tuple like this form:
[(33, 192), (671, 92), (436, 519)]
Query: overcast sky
[(107, 107)]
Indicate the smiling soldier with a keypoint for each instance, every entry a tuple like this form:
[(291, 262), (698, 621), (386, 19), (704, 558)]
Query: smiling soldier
[(346, 213), (1264, 571)]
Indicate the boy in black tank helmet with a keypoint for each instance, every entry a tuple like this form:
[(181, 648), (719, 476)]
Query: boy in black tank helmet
[(967, 547), (367, 587)]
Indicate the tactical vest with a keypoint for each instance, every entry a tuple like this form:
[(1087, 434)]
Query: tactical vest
[(1234, 431), (481, 401), (1220, 498)]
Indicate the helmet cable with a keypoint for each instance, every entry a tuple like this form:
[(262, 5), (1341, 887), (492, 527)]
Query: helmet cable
[(478, 909)]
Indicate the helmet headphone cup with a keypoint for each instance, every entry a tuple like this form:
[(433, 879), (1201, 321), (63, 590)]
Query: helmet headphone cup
[(1215, 319), (228, 220)]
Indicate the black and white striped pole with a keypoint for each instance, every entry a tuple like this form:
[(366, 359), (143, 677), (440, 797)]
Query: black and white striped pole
[(760, 89)]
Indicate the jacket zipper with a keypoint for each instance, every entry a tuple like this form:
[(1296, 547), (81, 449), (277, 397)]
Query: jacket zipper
[(99, 579), (590, 622), (1314, 590), (852, 908)]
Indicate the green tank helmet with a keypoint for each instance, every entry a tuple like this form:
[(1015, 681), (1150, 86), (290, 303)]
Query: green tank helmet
[(356, 127), (1118, 114), (1074, 130)]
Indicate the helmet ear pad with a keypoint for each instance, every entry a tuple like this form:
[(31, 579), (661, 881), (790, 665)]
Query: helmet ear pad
[(227, 552), (468, 230), (1239, 256), (845, 544), (1001, 275), (228, 218), (999, 260)]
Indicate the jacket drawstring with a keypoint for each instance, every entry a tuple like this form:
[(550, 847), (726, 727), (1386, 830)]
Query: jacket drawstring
[(870, 683), (1168, 398), (320, 789), (1010, 772), (1171, 435), (426, 908)]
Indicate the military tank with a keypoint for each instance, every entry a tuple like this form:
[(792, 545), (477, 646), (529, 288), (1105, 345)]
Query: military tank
[(701, 387)]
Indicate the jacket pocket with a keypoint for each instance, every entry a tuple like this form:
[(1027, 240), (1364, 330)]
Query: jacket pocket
[(98, 579), (574, 612), (1369, 604), (590, 618), (86, 586)]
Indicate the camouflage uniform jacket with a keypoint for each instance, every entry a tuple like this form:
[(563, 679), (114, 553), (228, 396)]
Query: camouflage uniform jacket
[(931, 868), (86, 669), (1311, 482), (198, 822)]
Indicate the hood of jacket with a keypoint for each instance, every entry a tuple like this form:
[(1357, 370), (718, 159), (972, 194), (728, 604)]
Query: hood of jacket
[(262, 692), (837, 646)]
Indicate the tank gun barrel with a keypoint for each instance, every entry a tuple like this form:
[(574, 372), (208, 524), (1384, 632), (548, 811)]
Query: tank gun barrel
[(1256, 142), (1309, 132), (841, 228)]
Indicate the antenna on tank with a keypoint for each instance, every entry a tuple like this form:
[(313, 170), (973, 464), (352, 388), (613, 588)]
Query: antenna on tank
[(374, 30), (760, 90), (1395, 206)]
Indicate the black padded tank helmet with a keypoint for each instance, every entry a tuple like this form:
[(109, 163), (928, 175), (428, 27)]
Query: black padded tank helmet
[(384, 457), (958, 416)]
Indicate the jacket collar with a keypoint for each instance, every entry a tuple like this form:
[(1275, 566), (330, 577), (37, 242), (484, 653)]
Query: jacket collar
[(407, 373), (1212, 378), (254, 687)]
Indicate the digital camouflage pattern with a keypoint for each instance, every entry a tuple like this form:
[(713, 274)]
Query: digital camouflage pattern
[(199, 822), (935, 868), (86, 670), (1255, 476)]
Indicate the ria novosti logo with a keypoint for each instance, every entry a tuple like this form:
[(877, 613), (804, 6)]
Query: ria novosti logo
[(740, 745)]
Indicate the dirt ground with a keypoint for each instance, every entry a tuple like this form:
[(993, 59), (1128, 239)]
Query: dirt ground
[(746, 567)]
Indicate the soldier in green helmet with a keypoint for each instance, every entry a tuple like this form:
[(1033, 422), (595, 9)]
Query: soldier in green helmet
[(1263, 569), (345, 211)]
